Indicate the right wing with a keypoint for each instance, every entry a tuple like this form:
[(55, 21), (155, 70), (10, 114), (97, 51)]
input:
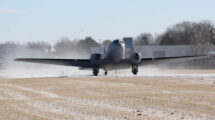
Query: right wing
[(83, 63)]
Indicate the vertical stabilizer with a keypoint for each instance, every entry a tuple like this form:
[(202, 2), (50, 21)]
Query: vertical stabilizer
[(129, 46)]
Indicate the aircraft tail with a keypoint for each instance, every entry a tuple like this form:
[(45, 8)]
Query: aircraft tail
[(129, 46)]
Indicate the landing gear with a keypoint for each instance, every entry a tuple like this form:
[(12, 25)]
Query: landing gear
[(95, 71), (135, 69), (106, 73)]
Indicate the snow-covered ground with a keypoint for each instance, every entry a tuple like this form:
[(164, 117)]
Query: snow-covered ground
[(62, 71), (114, 97), (44, 71)]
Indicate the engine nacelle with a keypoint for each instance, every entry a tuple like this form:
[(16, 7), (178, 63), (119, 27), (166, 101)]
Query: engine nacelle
[(96, 58), (135, 58)]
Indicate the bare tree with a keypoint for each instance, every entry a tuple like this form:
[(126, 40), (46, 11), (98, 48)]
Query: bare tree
[(189, 33), (87, 43), (68, 48), (65, 46), (42, 46), (144, 39), (106, 42)]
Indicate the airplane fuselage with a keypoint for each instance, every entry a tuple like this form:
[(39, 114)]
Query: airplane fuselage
[(116, 51)]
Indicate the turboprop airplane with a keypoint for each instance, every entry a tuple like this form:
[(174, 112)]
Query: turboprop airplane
[(113, 60)]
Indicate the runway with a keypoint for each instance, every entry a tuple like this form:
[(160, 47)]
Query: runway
[(182, 95)]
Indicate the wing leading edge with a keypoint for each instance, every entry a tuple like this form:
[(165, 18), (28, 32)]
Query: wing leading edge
[(83, 63)]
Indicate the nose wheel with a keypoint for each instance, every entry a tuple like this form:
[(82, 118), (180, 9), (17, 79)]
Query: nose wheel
[(135, 69)]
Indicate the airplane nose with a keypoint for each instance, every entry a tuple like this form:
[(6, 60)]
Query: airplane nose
[(120, 44)]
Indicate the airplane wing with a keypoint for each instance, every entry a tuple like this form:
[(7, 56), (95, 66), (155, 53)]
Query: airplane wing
[(165, 60), (83, 63), (162, 60)]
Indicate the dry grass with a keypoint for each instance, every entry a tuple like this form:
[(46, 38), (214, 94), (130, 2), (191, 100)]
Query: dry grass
[(109, 98)]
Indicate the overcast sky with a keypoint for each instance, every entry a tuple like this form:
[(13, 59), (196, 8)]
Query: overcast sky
[(49, 20)]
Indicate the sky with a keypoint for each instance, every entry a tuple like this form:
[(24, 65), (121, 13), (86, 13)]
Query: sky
[(49, 20)]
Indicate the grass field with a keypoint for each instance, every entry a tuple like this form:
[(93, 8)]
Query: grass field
[(105, 98)]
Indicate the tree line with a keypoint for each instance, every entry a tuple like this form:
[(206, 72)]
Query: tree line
[(184, 33)]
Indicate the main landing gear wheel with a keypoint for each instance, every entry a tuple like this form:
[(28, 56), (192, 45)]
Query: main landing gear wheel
[(134, 69), (106, 73), (95, 71)]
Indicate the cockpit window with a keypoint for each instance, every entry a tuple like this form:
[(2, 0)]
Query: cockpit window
[(117, 42)]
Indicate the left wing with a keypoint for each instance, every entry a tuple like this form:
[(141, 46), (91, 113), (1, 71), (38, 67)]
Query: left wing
[(165, 60), (83, 63)]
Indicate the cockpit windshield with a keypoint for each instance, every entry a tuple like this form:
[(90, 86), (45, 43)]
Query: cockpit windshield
[(117, 42)]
